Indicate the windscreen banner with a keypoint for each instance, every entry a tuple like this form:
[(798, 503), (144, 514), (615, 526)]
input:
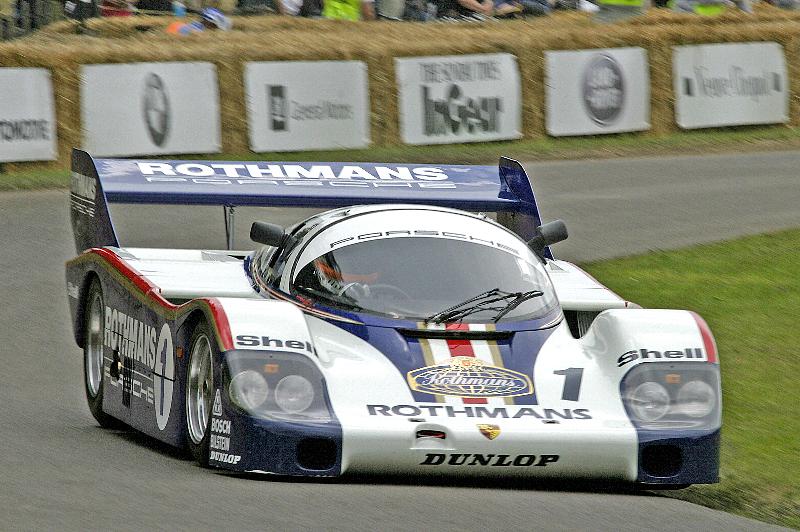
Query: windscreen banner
[(594, 92), (307, 105), (27, 115), (150, 109), (459, 98), (730, 84)]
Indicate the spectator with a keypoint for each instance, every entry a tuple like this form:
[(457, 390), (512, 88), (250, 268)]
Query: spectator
[(32, 20), (210, 19), (463, 8), (152, 6), (115, 8), (289, 7), (349, 9)]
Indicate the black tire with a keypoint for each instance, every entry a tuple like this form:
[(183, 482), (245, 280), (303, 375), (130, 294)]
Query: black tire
[(662, 487), (93, 355), (199, 392)]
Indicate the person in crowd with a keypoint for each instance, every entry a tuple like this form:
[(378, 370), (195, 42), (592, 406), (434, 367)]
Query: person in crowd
[(210, 19), (153, 6), (299, 8), (349, 9), (289, 7), (463, 8)]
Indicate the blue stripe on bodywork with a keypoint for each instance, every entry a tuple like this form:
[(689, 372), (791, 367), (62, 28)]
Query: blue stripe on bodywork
[(519, 353)]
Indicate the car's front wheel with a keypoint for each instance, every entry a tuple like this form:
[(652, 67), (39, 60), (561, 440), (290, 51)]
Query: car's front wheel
[(200, 392), (93, 354)]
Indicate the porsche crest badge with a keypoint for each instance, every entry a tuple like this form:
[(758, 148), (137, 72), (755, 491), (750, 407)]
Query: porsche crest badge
[(490, 431)]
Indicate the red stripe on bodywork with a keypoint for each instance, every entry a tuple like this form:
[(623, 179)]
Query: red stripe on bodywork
[(134, 276), (463, 348), (152, 291), (223, 326), (708, 338)]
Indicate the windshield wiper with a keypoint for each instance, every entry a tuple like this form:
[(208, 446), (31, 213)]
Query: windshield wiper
[(507, 301)]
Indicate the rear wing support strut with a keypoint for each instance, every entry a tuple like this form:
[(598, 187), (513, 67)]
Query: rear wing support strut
[(229, 211)]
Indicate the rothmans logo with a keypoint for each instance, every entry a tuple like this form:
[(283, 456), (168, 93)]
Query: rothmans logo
[(469, 377)]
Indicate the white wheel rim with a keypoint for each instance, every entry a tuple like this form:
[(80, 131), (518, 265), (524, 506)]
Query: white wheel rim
[(199, 388), (94, 345)]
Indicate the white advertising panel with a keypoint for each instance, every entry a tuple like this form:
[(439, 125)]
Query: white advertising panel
[(730, 84), (27, 115), (593, 92), (150, 108), (307, 105), (458, 98)]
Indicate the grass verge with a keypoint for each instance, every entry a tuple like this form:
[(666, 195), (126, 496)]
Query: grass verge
[(748, 292), (25, 176)]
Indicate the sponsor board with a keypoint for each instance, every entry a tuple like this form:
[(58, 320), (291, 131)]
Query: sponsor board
[(150, 108), (490, 412), (307, 105), (730, 84), (460, 98), (650, 355), (463, 376), (27, 115), (593, 92)]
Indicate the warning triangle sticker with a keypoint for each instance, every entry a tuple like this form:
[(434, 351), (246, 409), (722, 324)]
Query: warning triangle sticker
[(217, 408)]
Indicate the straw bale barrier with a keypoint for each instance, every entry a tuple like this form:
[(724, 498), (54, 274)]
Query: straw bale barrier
[(136, 39)]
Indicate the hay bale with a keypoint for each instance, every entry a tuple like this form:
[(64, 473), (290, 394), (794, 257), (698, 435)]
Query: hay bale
[(275, 38)]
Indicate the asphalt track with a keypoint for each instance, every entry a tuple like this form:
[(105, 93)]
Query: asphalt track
[(59, 471)]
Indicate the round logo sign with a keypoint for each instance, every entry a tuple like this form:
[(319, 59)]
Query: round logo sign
[(155, 106), (603, 90), (469, 377)]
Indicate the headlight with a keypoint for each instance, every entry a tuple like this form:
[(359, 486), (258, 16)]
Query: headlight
[(696, 399), (276, 386), (685, 395), (248, 389), (649, 401), (294, 394)]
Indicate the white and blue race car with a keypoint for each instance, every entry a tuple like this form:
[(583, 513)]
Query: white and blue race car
[(400, 332)]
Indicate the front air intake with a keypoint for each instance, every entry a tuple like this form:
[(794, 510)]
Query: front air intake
[(456, 334), (317, 454), (662, 460)]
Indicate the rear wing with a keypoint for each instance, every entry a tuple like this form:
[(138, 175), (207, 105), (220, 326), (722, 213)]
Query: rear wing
[(96, 183)]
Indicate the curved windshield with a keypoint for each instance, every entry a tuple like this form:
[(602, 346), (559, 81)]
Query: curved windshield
[(424, 278)]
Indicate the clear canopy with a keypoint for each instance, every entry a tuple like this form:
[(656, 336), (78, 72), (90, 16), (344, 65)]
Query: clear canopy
[(418, 277)]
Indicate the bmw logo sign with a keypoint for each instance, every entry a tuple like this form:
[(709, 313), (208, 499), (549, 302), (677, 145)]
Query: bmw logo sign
[(155, 106), (603, 90)]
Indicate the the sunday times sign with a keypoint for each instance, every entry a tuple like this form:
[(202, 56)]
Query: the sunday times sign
[(730, 84), (307, 105), (459, 98), (592, 92), (27, 115)]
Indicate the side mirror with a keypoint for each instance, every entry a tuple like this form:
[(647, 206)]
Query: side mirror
[(547, 234), (267, 233)]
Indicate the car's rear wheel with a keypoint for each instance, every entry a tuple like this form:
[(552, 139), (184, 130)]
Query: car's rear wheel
[(200, 392), (93, 354)]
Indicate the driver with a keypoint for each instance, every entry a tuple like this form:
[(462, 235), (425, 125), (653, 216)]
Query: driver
[(333, 273)]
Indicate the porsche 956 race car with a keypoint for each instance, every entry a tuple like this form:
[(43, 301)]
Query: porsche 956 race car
[(402, 332)]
